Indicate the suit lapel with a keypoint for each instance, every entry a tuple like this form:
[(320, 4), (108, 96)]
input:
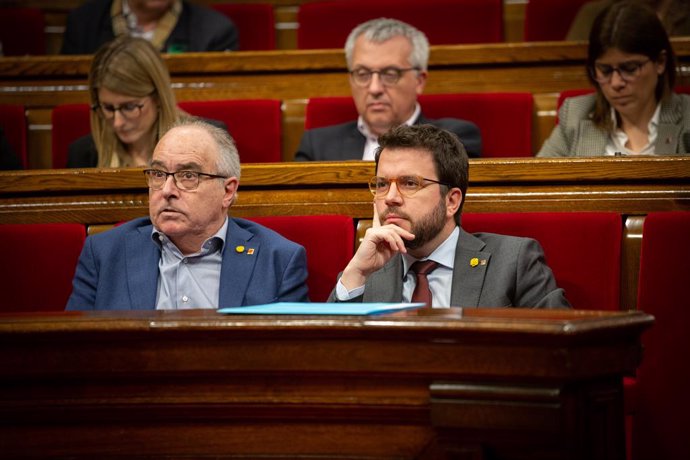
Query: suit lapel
[(469, 271), (386, 284), (669, 129), (142, 257), (353, 145), (592, 141), (239, 257)]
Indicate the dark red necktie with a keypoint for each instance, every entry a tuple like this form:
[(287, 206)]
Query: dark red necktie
[(422, 293)]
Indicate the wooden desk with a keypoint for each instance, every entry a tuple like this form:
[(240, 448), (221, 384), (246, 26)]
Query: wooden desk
[(504, 384)]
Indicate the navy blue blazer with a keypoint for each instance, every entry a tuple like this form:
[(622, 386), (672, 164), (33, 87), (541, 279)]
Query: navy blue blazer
[(344, 141), (118, 269)]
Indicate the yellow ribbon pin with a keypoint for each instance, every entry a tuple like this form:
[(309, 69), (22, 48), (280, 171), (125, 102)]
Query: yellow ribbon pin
[(474, 262), (239, 249)]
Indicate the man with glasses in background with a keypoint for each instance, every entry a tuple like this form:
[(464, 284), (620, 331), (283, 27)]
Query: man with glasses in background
[(387, 60), (417, 251), (188, 253)]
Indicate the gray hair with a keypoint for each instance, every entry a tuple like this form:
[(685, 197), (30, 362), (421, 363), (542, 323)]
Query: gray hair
[(228, 162), (383, 29)]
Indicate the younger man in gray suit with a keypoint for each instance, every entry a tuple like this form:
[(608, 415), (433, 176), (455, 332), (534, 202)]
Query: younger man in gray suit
[(422, 174)]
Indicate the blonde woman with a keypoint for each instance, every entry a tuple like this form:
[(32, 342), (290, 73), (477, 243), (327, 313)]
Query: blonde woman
[(132, 106)]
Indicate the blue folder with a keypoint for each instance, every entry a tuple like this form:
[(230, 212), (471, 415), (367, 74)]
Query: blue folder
[(314, 308)]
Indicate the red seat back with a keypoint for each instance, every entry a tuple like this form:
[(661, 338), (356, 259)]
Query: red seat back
[(326, 24), (255, 124), (504, 119), (329, 242), (13, 122), (660, 429), (549, 19), (583, 250), (255, 23), (22, 31), (70, 122), (43, 260)]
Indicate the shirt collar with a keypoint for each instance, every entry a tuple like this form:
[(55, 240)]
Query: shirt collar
[(618, 138), (215, 242), (444, 254)]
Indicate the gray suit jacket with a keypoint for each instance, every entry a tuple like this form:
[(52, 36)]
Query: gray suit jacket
[(514, 275), (344, 141), (577, 136)]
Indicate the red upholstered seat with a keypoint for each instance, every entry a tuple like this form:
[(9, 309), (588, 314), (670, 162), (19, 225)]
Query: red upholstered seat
[(13, 122), (504, 119), (582, 248), (70, 122), (326, 24), (255, 124), (549, 19), (329, 242), (41, 260), (22, 31), (660, 429), (254, 21)]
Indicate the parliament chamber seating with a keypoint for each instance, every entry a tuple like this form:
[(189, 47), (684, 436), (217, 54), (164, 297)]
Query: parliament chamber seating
[(255, 124), (13, 122), (326, 24), (40, 264), (548, 20), (22, 31), (504, 119), (255, 23), (660, 425), (329, 242)]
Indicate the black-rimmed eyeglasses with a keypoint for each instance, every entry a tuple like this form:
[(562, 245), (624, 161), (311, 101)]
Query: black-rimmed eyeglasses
[(628, 71), (184, 180), (129, 110)]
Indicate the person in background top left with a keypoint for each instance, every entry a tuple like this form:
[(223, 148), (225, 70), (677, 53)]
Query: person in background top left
[(132, 106), (173, 26)]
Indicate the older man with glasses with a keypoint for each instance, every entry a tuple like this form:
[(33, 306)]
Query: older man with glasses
[(417, 251), (387, 60), (188, 253)]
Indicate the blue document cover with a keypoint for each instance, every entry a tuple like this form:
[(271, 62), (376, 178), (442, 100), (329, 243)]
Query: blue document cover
[(314, 308)]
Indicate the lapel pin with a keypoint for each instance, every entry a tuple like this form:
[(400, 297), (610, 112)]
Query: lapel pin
[(482, 262), (250, 251), (239, 249), (474, 262)]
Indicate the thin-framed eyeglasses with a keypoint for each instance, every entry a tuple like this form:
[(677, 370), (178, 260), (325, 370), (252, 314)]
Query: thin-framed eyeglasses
[(184, 180), (628, 71), (129, 110), (389, 76), (406, 185)]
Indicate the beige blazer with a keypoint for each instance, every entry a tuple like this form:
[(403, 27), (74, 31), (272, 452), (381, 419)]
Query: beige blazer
[(577, 136)]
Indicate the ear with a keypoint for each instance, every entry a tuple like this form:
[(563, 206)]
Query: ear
[(230, 185), (453, 201), (421, 81)]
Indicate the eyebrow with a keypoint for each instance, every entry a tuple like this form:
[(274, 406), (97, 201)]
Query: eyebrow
[(183, 167)]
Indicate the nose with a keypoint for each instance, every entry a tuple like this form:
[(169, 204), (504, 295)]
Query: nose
[(375, 85), (617, 79), (118, 119), (393, 196), (170, 187)]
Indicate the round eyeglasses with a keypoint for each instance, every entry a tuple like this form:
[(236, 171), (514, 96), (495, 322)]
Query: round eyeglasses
[(628, 71), (388, 76), (406, 185), (184, 180)]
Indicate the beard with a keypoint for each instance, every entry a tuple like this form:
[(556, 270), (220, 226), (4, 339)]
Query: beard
[(426, 228)]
